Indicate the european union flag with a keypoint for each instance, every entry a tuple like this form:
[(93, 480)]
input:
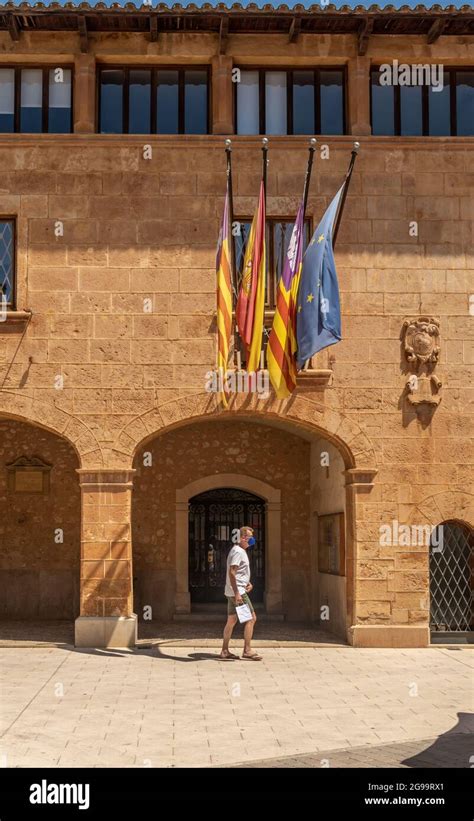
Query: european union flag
[(318, 317)]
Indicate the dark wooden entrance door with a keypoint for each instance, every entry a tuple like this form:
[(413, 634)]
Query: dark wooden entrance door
[(212, 517)]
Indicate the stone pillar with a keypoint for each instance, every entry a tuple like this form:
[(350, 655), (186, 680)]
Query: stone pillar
[(366, 630), (358, 88), (222, 96), (84, 94), (182, 595), (106, 618), (273, 591)]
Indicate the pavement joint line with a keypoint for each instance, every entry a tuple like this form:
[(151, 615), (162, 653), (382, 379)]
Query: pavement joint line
[(32, 699)]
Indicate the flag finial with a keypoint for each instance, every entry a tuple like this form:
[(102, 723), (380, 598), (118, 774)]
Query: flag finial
[(356, 147), (313, 141)]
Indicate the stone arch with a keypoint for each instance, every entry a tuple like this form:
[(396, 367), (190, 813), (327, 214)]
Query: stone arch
[(448, 505), (41, 502), (35, 411), (272, 496), (344, 432)]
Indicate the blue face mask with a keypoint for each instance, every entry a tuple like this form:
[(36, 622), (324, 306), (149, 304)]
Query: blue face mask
[(251, 541)]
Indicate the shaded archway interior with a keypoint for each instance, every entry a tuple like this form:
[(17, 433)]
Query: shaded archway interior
[(281, 456), (40, 525)]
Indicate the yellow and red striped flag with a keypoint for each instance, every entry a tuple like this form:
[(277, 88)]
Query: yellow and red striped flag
[(282, 345), (224, 294), (251, 302)]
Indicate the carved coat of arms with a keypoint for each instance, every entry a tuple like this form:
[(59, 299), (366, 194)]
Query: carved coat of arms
[(420, 338)]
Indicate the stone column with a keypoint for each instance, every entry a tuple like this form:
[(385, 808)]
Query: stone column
[(366, 629), (84, 94), (358, 87), (106, 618), (222, 96), (182, 596), (273, 591)]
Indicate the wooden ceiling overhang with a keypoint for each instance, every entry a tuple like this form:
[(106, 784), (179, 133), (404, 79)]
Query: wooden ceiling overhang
[(363, 21)]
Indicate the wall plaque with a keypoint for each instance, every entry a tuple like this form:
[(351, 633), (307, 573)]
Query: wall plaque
[(331, 544), (28, 475)]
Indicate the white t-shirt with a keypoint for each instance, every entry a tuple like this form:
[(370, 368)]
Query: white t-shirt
[(237, 556)]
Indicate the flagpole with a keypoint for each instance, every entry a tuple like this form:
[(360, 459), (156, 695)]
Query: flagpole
[(347, 182), (264, 178), (228, 151), (311, 149), (264, 168)]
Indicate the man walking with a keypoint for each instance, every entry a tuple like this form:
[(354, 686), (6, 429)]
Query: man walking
[(237, 589)]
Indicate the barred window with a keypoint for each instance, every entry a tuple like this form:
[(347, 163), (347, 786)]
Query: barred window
[(278, 235), (7, 263)]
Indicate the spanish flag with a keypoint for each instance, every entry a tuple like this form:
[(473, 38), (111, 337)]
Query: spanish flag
[(281, 348), (224, 293), (251, 302)]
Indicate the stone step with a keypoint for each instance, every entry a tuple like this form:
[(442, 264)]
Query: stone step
[(221, 615)]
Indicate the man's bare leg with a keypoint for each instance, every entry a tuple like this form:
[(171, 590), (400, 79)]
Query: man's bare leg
[(229, 626), (248, 633)]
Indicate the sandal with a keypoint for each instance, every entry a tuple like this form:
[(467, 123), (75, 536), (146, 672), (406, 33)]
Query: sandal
[(228, 657), (253, 657)]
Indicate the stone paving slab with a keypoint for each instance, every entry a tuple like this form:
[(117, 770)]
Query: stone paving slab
[(174, 706)]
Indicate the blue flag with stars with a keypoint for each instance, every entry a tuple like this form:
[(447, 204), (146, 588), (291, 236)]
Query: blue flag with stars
[(318, 315)]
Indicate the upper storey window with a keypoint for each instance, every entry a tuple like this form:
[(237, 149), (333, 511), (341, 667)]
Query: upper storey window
[(440, 109), (297, 101), (35, 100), (153, 101)]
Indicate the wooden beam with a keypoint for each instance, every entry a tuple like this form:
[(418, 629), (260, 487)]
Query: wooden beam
[(295, 29), (13, 27), (436, 29), (365, 31), (82, 29), (153, 29), (223, 35)]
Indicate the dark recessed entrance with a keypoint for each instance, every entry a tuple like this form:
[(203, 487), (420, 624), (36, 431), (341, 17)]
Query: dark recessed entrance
[(212, 517)]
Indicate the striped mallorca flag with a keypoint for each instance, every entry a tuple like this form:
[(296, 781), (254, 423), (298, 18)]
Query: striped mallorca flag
[(224, 293), (281, 349), (251, 302)]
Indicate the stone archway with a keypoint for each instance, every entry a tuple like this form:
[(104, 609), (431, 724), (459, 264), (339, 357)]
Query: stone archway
[(340, 429), (272, 496), (16, 405), (41, 524)]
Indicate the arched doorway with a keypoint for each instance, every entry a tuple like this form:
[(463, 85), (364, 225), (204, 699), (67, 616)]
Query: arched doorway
[(213, 516), (451, 579), (40, 526)]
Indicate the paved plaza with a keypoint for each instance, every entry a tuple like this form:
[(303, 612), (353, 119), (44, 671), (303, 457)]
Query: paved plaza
[(172, 703)]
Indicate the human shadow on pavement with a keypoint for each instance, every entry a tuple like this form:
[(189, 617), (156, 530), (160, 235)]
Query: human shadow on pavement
[(452, 749)]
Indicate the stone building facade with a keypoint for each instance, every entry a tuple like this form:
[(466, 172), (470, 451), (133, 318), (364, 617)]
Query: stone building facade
[(103, 400)]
